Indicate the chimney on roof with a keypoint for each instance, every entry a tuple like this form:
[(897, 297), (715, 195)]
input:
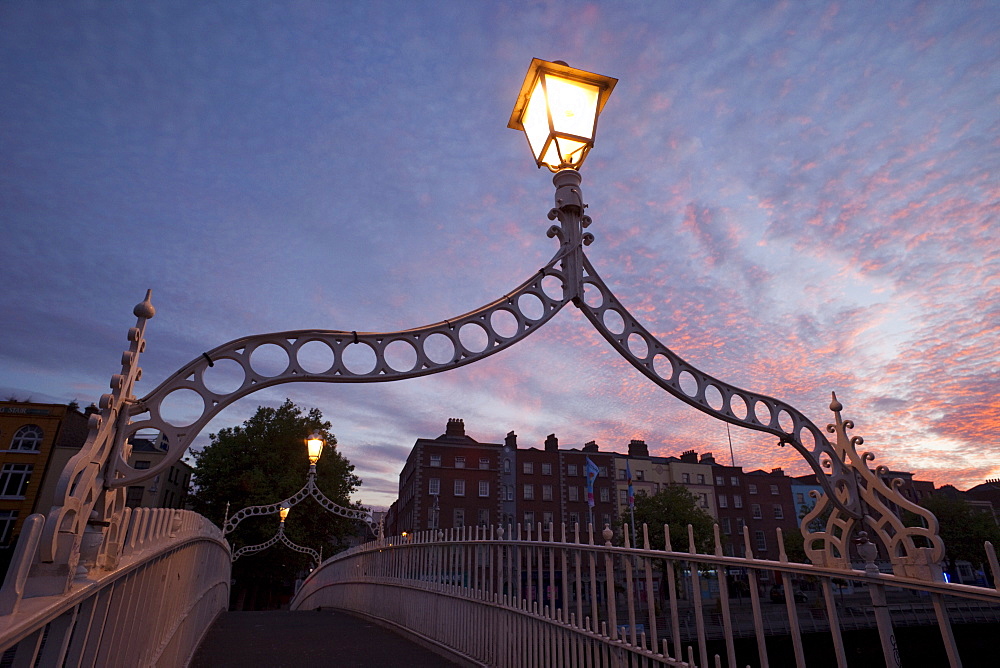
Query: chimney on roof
[(590, 446), (90, 410), (456, 427), (707, 458), (637, 448), (689, 457), (510, 440), (551, 443), (778, 471)]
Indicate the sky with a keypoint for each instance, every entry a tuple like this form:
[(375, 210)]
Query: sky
[(798, 198)]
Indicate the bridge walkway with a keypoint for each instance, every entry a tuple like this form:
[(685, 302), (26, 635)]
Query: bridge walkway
[(300, 639)]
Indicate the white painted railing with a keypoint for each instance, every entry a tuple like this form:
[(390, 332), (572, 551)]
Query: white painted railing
[(170, 583), (542, 601)]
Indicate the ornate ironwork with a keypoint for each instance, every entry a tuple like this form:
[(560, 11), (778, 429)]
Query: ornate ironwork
[(280, 537)]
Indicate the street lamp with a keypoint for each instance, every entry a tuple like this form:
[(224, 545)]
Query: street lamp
[(283, 513), (557, 109), (314, 445)]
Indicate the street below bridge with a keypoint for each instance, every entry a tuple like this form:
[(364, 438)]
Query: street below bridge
[(283, 639)]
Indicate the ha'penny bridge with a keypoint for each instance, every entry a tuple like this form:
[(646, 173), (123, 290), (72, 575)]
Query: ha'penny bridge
[(93, 583)]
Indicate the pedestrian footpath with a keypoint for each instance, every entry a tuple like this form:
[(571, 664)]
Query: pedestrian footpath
[(284, 639)]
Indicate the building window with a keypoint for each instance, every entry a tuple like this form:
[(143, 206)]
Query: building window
[(432, 517), (27, 439), (740, 524), (133, 496), (640, 475), (528, 468), (484, 488), (752, 488), (774, 490), (14, 480), (574, 519), (720, 481), (484, 463), (459, 488), (571, 469), (734, 481), (529, 492), (800, 498), (434, 486), (761, 540), (459, 518), (737, 501), (574, 493), (621, 474), (546, 492), (623, 496), (723, 501), (529, 517), (546, 469), (727, 526), (605, 495), (510, 492), (779, 512), (506, 466), (460, 462), (141, 464), (483, 517), (547, 520), (7, 520), (755, 511), (704, 500), (701, 479), (602, 471), (686, 478), (606, 519), (435, 460)]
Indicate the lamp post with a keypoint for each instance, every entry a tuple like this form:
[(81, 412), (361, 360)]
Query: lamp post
[(558, 109), (281, 537)]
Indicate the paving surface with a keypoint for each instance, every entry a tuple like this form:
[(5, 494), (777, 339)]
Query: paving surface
[(283, 639)]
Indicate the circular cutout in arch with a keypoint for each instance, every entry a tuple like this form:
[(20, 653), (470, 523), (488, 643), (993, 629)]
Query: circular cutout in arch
[(614, 321), (552, 286), (592, 295), (473, 337), (688, 384), (439, 349), (400, 356), (663, 366), (269, 360), (531, 306), (713, 396), (504, 323), (785, 421), (225, 376), (315, 357), (738, 406), (762, 412), (637, 345), (359, 358), (182, 407)]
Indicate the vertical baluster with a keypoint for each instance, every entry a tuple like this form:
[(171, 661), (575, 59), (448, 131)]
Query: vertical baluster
[(790, 606), (629, 594), (699, 613), (650, 600), (593, 581), (727, 620), (758, 617), (609, 575), (834, 619), (675, 622)]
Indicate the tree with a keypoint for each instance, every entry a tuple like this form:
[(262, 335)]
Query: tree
[(676, 506), (262, 462), (962, 528)]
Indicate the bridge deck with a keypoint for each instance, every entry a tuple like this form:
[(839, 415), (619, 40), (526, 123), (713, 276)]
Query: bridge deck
[(281, 638)]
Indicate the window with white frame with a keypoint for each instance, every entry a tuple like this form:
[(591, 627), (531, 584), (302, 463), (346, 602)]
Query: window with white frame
[(686, 478), (737, 501), (510, 492), (432, 517), (621, 474), (7, 520), (459, 517), (752, 488), (435, 460), (484, 463), (623, 496), (734, 481), (529, 492), (459, 488), (528, 467), (484, 488), (573, 492), (603, 471), (774, 490), (460, 462), (546, 492), (434, 486), (529, 517), (14, 479), (704, 500), (605, 494), (779, 512), (723, 501), (27, 439), (727, 525), (755, 511), (640, 475), (606, 518), (720, 481), (571, 469), (574, 519), (740, 524), (483, 517), (761, 540), (546, 519), (506, 466), (546, 468), (701, 478)]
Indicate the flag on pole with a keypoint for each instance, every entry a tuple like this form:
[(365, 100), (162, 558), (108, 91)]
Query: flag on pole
[(631, 492), (591, 470)]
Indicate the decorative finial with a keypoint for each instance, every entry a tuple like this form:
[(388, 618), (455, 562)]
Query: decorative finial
[(145, 308), (835, 405)]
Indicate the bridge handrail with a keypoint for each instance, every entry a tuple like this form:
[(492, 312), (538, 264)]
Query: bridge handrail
[(153, 538)]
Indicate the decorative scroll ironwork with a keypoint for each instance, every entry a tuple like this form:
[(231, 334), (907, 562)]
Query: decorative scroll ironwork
[(280, 537)]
